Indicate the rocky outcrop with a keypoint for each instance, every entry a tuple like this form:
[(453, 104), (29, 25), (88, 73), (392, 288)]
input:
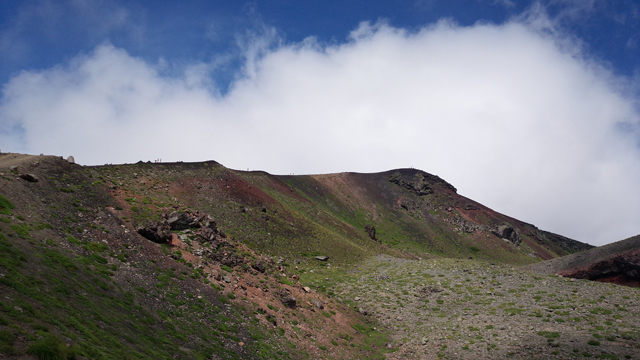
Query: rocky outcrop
[(29, 177), (209, 230), (418, 185), (181, 220), (226, 257), (156, 231), (507, 232), (371, 231), (622, 269), (421, 183), (463, 225), (161, 231)]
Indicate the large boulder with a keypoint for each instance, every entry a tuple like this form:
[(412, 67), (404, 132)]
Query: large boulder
[(508, 232), (29, 177), (179, 220), (158, 232), (207, 234)]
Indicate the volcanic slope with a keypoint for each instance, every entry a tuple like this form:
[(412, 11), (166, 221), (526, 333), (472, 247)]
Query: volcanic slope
[(76, 277), (78, 281), (618, 262), (346, 216)]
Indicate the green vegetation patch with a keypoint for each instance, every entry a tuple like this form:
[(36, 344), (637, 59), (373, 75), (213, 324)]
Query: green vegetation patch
[(6, 342), (600, 311), (21, 230), (373, 340), (5, 206), (549, 334), (51, 348), (10, 257)]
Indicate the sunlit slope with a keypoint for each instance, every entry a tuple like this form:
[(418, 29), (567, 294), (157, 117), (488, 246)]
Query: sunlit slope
[(413, 213)]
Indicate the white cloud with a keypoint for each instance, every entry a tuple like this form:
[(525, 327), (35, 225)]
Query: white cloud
[(513, 117)]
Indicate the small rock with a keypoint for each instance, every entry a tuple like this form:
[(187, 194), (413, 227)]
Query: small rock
[(226, 279), (321, 258), (288, 301), (259, 266), (71, 160), (29, 177), (306, 289)]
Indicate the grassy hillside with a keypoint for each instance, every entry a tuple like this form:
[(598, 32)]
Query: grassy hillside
[(327, 214), (77, 279)]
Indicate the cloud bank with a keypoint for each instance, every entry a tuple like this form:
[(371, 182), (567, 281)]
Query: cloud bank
[(514, 116)]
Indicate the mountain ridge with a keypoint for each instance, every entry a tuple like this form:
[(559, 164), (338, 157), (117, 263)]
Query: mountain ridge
[(254, 268)]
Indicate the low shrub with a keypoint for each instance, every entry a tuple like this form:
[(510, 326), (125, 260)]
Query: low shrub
[(51, 348)]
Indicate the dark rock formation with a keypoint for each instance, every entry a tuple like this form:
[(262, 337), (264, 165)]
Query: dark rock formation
[(288, 300), (207, 234), (259, 266), (158, 232), (418, 185), (29, 177), (371, 231), (508, 232), (623, 269), (421, 183), (178, 220), (209, 231)]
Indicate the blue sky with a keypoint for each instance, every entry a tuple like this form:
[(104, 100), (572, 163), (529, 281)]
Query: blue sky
[(42, 34), (528, 107)]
